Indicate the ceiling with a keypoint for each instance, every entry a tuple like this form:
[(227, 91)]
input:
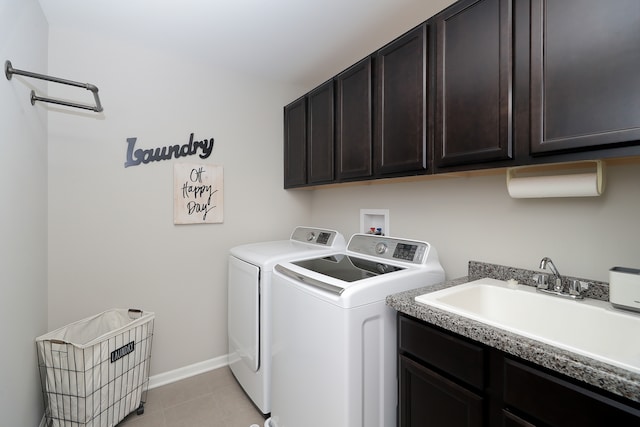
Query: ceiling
[(302, 42)]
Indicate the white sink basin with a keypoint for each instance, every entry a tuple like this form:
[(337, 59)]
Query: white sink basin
[(589, 327)]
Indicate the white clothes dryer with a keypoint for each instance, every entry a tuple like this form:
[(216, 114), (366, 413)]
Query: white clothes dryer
[(249, 303)]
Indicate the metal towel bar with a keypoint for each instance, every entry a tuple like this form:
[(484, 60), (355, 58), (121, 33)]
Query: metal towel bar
[(9, 71)]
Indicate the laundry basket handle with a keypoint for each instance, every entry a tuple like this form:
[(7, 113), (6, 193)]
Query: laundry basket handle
[(135, 311)]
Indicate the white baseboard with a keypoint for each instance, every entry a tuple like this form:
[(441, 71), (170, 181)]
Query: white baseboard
[(187, 371)]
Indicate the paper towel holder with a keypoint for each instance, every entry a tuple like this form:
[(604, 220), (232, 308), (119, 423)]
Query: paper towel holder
[(584, 178)]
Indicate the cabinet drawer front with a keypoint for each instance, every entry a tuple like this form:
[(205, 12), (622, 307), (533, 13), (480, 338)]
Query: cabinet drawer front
[(428, 399), (557, 402), (463, 360)]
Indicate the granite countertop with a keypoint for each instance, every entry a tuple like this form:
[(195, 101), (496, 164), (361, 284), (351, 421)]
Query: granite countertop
[(611, 378)]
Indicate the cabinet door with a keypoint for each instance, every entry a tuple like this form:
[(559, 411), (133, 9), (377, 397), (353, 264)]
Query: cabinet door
[(461, 359), (320, 128), (354, 127), (585, 74), (401, 104), (511, 420), (567, 404), (474, 83), (428, 399), (295, 143)]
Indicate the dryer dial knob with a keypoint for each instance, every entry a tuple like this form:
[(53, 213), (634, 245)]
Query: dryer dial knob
[(311, 236), (381, 248)]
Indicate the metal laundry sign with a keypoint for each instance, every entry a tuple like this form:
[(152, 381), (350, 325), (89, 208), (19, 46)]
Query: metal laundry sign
[(137, 156)]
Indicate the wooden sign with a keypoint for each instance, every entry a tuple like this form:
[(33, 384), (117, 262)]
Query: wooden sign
[(197, 194)]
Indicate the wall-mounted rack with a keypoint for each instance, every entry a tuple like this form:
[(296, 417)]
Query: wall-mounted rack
[(9, 71)]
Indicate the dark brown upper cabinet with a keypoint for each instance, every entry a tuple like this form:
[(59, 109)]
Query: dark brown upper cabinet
[(309, 138), (295, 143), (474, 83), (585, 74), (320, 134), (354, 125), (400, 138), (483, 84)]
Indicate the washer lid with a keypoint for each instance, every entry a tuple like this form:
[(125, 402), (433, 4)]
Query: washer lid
[(347, 268)]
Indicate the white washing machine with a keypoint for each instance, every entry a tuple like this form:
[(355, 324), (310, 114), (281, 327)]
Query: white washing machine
[(249, 303), (334, 338)]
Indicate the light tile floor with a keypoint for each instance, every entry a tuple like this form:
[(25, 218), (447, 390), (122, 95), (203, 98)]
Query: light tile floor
[(212, 399)]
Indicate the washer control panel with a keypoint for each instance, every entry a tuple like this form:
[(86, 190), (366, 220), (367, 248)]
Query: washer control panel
[(390, 248)]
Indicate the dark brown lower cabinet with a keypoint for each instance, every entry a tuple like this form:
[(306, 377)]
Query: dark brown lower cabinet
[(511, 420), (555, 401), (436, 387), (442, 402)]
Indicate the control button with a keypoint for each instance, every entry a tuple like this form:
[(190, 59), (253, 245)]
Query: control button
[(311, 236), (381, 248)]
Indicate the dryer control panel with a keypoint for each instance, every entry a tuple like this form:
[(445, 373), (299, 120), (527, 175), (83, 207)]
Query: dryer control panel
[(316, 236)]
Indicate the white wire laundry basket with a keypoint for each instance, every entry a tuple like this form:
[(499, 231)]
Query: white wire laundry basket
[(95, 372)]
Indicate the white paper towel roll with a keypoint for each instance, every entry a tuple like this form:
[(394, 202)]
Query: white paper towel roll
[(572, 185)]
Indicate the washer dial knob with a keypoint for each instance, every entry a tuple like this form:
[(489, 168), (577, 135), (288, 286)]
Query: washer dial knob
[(311, 236), (381, 248)]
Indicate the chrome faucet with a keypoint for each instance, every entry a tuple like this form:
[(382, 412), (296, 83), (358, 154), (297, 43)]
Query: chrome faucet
[(546, 262), (575, 288)]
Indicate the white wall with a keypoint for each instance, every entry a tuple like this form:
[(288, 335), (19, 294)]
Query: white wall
[(473, 218), (112, 241), (23, 213)]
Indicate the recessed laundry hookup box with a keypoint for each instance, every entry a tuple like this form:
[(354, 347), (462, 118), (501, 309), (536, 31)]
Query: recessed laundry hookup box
[(624, 288)]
